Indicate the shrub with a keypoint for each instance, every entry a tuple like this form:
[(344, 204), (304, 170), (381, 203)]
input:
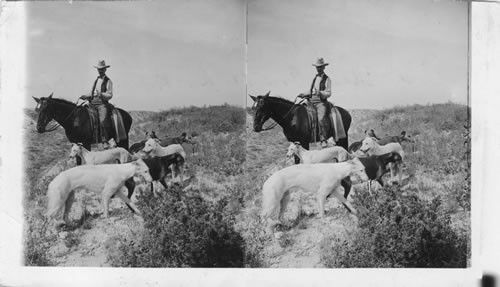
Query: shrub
[(397, 230), (183, 230)]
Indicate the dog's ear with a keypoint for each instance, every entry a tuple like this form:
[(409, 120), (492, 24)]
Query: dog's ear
[(253, 98), (403, 133)]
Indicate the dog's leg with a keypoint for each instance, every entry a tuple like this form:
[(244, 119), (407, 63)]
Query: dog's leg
[(181, 172), (370, 187), (69, 202), (323, 192), (284, 203), (127, 201), (130, 184), (106, 197), (338, 194)]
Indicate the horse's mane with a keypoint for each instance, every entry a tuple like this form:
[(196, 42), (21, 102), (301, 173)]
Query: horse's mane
[(60, 100), (280, 99)]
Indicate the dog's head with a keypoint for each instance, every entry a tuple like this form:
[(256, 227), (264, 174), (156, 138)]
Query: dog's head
[(367, 144), (293, 148), (150, 145), (142, 170), (406, 137), (76, 149), (358, 172), (371, 133), (112, 143)]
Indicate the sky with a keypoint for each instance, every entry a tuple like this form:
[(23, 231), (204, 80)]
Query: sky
[(382, 53), (175, 53), (162, 54)]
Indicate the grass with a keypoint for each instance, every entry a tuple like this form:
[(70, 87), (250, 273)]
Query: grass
[(229, 165)]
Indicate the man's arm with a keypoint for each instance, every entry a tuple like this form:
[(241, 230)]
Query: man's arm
[(327, 92), (109, 91)]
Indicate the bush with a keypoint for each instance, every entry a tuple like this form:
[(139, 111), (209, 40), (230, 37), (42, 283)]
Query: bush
[(183, 230), (397, 230)]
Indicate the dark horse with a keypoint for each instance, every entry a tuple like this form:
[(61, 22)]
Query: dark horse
[(74, 119), (76, 123), (295, 123), (292, 118)]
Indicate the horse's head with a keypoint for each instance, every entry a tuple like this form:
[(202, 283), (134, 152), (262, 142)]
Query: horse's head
[(262, 112), (45, 112)]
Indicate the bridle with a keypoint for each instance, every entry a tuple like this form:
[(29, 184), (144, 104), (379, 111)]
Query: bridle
[(276, 122), (57, 125)]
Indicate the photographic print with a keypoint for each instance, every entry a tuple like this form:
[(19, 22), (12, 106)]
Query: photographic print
[(134, 133), (379, 84)]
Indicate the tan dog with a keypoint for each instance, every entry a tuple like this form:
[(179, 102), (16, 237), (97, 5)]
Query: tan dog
[(114, 155), (320, 178), (328, 154), (105, 180)]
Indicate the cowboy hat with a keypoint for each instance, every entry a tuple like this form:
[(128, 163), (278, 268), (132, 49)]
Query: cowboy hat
[(320, 62), (101, 65)]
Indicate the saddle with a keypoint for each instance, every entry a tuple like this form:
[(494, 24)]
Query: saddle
[(336, 124), (116, 122)]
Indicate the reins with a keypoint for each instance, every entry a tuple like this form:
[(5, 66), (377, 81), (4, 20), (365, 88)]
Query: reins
[(53, 128), (275, 122)]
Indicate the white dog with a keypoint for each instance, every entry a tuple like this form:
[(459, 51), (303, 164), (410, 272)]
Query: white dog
[(320, 178), (329, 154), (370, 147), (114, 155), (106, 180)]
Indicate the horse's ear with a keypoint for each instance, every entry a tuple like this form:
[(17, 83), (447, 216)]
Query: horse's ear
[(36, 99), (50, 96), (253, 98), (267, 95)]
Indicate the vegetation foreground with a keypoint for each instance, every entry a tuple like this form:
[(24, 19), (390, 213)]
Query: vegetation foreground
[(212, 220)]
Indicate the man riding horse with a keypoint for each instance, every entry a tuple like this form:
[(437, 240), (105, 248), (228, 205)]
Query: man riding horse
[(319, 92), (101, 93)]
